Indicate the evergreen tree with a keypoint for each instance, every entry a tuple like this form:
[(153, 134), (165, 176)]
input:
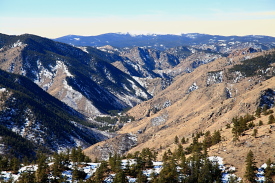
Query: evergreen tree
[(169, 173), (74, 155), (264, 110), (179, 151), (233, 179), (41, 175), (250, 167), (27, 177), (255, 132), (185, 169), (271, 119), (14, 164), (183, 141), (99, 174), (207, 142), (176, 140), (141, 177), (258, 112), (78, 174), (115, 162), (268, 172), (216, 137), (148, 155), (120, 177)]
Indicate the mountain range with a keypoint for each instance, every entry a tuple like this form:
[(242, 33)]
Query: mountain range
[(162, 42), (58, 94)]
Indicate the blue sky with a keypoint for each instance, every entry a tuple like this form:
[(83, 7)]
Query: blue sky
[(54, 18)]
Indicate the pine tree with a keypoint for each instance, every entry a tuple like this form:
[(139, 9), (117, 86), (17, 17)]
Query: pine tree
[(15, 164), (255, 132), (250, 167), (271, 119), (99, 174), (185, 169), (41, 175), (183, 141), (120, 177), (216, 137), (169, 172), (141, 177), (258, 112), (179, 151), (27, 177), (264, 110), (268, 172), (176, 140), (207, 142)]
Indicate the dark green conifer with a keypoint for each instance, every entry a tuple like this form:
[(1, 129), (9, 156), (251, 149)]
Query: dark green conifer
[(250, 168)]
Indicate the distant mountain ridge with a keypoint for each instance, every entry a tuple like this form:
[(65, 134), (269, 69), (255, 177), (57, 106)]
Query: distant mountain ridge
[(158, 41)]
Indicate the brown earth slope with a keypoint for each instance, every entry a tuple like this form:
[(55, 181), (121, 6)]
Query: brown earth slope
[(206, 99)]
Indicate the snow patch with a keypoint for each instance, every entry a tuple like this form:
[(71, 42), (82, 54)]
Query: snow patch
[(17, 44), (214, 77), (193, 87)]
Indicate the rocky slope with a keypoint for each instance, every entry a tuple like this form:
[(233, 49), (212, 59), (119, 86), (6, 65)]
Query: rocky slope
[(30, 116), (81, 80), (205, 99)]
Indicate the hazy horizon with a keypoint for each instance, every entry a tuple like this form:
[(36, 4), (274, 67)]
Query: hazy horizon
[(54, 19)]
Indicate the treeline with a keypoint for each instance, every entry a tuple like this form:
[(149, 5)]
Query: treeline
[(246, 122), (15, 146), (208, 141), (253, 67), (54, 166), (112, 123), (176, 168)]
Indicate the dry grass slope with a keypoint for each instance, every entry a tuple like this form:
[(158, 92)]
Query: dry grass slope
[(176, 111)]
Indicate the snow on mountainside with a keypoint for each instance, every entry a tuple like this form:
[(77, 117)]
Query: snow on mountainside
[(160, 41), (28, 111), (81, 80), (207, 99)]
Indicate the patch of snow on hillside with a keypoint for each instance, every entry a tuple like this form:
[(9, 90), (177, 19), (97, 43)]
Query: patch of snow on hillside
[(228, 92), (238, 76), (45, 77), (109, 75), (17, 44), (226, 171), (191, 35), (3, 89), (140, 81), (62, 66), (159, 120), (73, 97), (83, 49), (138, 91), (193, 87), (214, 77)]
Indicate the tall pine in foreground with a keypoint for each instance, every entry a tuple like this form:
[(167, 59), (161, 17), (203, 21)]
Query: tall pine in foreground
[(268, 172), (250, 168)]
